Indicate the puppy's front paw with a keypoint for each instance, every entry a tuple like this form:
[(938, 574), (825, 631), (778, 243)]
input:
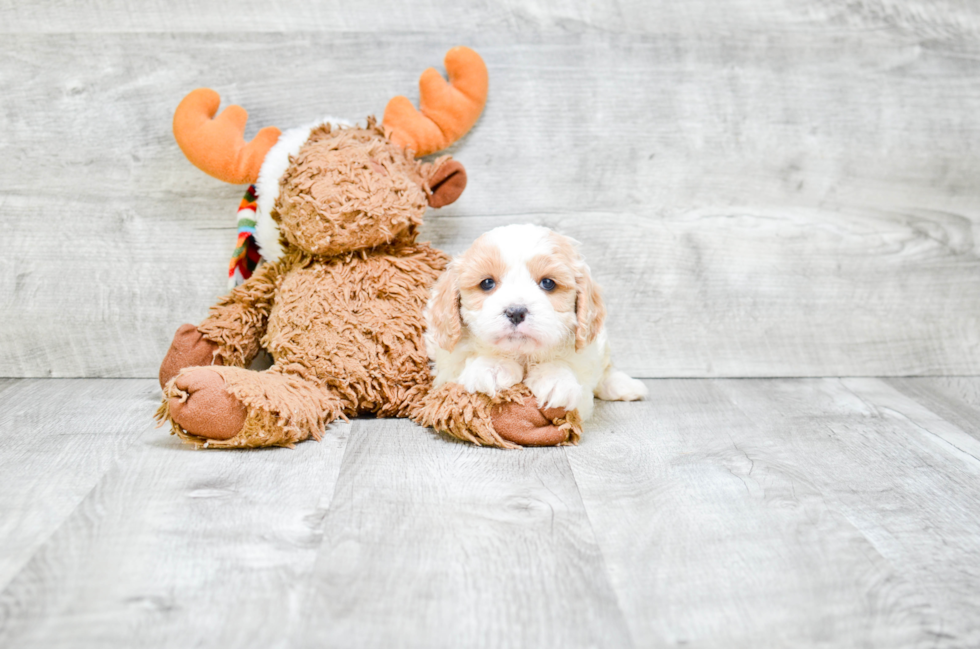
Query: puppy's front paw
[(618, 386), (555, 386), (490, 375)]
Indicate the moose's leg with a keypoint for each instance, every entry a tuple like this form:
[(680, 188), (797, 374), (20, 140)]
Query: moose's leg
[(220, 406), (198, 402), (511, 419)]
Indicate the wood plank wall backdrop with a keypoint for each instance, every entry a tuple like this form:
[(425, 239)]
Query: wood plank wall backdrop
[(763, 187)]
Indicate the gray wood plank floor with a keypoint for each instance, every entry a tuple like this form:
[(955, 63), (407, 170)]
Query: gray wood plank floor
[(719, 513)]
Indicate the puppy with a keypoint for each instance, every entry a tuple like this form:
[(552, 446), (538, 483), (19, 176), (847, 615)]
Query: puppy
[(520, 305)]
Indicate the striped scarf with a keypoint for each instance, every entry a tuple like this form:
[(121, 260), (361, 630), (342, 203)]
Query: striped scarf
[(246, 256)]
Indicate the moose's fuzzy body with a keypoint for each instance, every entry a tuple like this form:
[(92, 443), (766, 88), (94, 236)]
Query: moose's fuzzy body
[(359, 320), (345, 333)]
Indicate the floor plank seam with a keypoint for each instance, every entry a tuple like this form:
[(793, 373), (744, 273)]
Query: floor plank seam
[(323, 511), (932, 435), (602, 554), (116, 463)]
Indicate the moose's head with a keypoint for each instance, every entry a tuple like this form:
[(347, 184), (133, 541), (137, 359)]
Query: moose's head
[(333, 187)]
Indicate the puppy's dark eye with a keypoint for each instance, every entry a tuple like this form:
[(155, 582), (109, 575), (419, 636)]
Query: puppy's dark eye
[(547, 284), (487, 284)]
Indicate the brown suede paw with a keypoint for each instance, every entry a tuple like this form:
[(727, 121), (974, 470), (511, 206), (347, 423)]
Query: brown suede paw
[(203, 406), (528, 425), (189, 349)]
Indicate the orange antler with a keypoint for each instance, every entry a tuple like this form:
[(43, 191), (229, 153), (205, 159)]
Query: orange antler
[(448, 110), (217, 146)]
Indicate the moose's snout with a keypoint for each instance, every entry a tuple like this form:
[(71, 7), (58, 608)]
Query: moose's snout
[(516, 314)]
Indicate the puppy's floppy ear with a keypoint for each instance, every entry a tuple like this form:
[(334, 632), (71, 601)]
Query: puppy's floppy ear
[(443, 313), (445, 180), (590, 310)]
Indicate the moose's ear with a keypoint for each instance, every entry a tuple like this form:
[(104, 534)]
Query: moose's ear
[(445, 181)]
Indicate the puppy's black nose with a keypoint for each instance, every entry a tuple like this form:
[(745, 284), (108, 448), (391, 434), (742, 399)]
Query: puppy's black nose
[(516, 314)]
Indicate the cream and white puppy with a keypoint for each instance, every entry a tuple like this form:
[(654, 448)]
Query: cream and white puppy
[(520, 305)]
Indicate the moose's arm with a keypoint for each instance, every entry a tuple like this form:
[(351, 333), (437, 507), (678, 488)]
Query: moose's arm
[(510, 419), (238, 321)]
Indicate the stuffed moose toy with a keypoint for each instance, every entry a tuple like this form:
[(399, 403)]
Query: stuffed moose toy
[(338, 302)]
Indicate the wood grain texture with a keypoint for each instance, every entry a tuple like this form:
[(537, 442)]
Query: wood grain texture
[(906, 478), (57, 440), (172, 547), (954, 398), (784, 513), (940, 18), (435, 543), (719, 513), (765, 189)]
